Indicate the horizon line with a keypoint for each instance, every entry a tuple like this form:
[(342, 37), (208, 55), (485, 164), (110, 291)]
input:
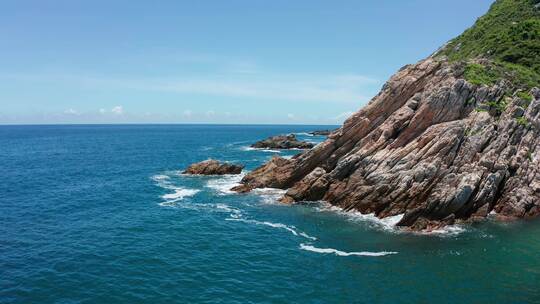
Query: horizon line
[(177, 123)]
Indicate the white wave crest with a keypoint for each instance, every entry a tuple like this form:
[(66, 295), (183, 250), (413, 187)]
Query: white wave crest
[(387, 223), (179, 193), (269, 195), (233, 212), (291, 229), (160, 177), (312, 248), (224, 183), (450, 230), (247, 148), (303, 134)]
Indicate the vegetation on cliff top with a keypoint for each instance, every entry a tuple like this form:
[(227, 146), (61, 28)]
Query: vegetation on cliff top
[(508, 35)]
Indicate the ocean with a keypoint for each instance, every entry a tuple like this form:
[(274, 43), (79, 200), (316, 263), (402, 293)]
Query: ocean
[(102, 214)]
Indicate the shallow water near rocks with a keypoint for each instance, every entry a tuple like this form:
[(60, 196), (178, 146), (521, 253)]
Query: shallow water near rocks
[(102, 214)]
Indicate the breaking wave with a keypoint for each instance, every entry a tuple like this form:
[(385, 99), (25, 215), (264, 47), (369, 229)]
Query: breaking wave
[(160, 177), (178, 193), (303, 134), (387, 223), (247, 148), (223, 184), (269, 195), (450, 230)]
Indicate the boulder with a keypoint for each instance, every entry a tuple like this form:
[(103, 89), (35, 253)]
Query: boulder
[(213, 167)]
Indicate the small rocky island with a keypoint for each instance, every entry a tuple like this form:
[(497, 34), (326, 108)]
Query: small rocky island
[(321, 132), (282, 142), (213, 167)]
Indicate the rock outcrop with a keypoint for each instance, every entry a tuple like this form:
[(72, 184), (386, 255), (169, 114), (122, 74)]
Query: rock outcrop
[(431, 146), (282, 142), (213, 167), (321, 132)]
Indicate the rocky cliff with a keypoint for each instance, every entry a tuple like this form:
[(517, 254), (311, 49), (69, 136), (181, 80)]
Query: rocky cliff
[(440, 143)]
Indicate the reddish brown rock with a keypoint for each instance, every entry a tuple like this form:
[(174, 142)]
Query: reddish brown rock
[(428, 146), (213, 167), (265, 176)]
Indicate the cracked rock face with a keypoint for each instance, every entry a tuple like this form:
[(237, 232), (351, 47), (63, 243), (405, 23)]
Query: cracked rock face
[(428, 146)]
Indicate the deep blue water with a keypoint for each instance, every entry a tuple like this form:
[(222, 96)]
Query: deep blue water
[(100, 214)]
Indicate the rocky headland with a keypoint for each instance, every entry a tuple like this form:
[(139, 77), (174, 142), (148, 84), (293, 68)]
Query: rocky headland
[(213, 167), (282, 142), (452, 138)]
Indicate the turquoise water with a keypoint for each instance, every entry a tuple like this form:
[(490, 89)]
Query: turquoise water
[(100, 214)]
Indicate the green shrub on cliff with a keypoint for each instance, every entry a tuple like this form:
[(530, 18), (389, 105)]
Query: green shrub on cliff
[(478, 74), (499, 106), (522, 121), (524, 95), (509, 36)]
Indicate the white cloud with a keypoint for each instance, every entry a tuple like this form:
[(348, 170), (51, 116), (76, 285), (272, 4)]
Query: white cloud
[(239, 79), (71, 112), (343, 88), (118, 110), (340, 88)]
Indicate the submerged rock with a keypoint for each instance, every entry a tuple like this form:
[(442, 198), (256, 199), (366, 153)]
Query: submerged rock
[(213, 167), (282, 142)]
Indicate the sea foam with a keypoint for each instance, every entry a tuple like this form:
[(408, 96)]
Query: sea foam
[(160, 177), (303, 134), (312, 248), (223, 184), (247, 148), (387, 223), (450, 230), (291, 229), (179, 193), (269, 195)]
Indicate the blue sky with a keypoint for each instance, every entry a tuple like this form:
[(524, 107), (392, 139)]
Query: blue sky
[(235, 61)]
